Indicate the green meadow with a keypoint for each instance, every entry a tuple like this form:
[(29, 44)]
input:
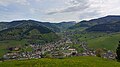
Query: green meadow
[(66, 62), (109, 42)]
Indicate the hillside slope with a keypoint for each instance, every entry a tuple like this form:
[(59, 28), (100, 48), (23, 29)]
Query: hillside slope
[(109, 42), (26, 32), (111, 27)]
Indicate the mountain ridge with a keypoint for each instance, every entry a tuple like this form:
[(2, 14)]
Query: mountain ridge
[(56, 27), (103, 20)]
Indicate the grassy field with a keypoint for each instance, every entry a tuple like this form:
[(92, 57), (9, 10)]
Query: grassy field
[(87, 36), (109, 42), (67, 62), (100, 40)]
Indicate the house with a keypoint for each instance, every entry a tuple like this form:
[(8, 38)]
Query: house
[(71, 49)]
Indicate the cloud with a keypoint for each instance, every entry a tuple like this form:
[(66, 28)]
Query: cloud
[(11, 17), (8, 2), (57, 10), (89, 14), (74, 6), (78, 2)]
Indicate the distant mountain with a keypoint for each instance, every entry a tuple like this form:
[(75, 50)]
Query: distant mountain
[(111, 27), (7, 25), (104, 20), (33, 32), (3, 25), (64, 25), (56, 27)]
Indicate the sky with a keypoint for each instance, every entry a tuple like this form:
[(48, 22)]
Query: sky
[(57, 10)]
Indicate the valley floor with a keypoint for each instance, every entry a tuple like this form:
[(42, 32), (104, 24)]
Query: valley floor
[(66, 62)]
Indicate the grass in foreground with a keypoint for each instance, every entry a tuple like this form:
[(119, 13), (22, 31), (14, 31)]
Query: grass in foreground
[(67, 62)]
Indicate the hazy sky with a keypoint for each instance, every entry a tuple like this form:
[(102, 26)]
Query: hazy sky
[(57, 10)]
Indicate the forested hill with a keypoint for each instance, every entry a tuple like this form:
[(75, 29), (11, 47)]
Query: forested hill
[(31, 31), (56, 27), (112, 27), (7, 25), (104, 20)]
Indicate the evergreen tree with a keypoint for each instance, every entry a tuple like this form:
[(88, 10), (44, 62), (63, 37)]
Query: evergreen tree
[(118, 52)]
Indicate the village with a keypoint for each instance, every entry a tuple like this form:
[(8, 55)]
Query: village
[(59, 49)]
